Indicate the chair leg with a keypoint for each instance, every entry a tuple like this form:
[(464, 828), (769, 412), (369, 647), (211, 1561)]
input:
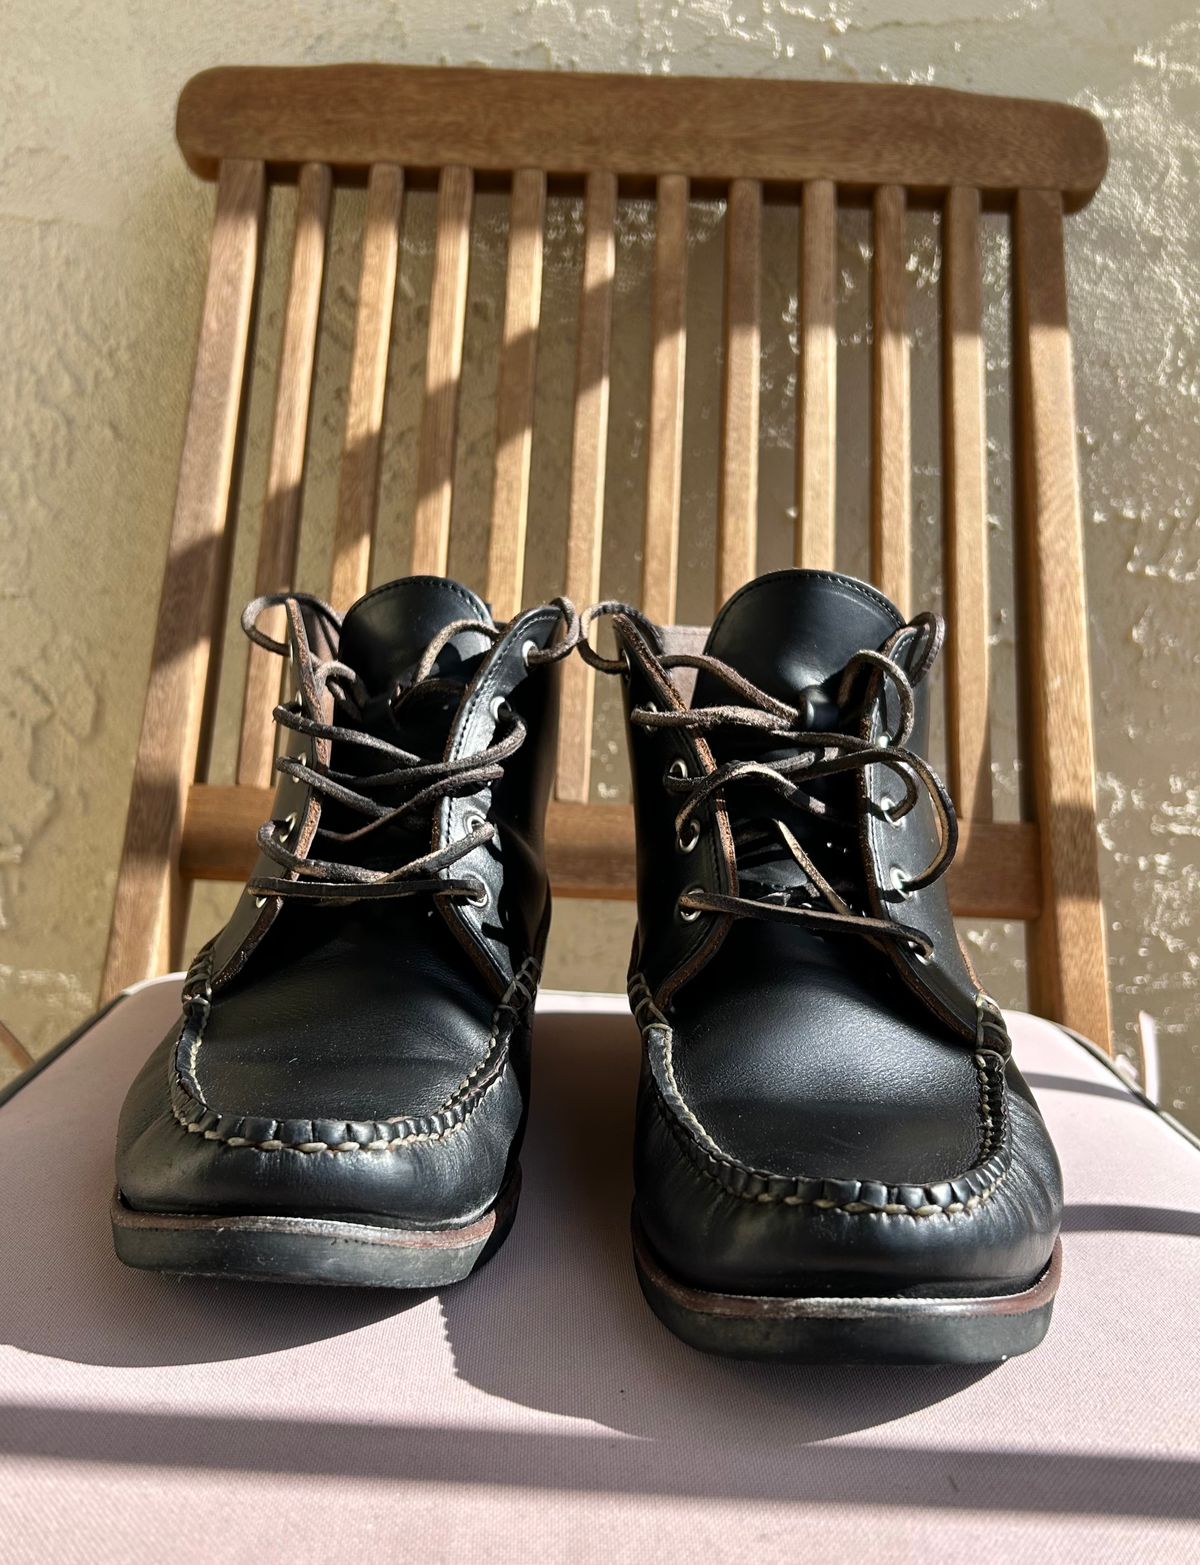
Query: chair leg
[(151, 899), (1067, 963)]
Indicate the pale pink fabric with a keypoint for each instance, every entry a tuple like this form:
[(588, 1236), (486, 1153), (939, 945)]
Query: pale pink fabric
[(539, 1412)]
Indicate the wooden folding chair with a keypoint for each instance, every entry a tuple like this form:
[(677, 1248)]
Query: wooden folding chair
[(817, 145)]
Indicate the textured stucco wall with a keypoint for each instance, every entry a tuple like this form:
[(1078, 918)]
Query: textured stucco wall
[(102, 236)]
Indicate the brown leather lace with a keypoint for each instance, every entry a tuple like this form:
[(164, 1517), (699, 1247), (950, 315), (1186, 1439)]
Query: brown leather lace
[(430, 780), (816, 754)]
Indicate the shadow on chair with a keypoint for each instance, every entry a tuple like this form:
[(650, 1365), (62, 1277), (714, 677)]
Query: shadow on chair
[(557, 1321)]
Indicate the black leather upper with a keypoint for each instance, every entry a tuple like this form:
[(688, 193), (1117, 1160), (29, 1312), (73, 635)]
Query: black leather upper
[(369, 1058), (819, 1111)]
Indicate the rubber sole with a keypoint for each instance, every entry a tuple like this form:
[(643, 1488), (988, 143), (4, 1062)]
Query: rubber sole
[(318, 1250), (861, 1330)]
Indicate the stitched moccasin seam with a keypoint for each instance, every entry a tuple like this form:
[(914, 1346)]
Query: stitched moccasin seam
[(704, 1164), (197, 1117), (967, 1191)]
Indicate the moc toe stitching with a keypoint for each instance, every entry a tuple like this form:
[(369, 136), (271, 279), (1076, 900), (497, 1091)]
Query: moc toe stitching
[(322, 1134), (962, 1195)]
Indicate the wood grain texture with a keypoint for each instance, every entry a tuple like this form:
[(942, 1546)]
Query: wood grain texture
[(573, 122), (737, 499), (1067, 960), (285, 465), (443, 373), (515, 390), (816, 402), (588, 454), (358, 488), (964, 509), (828, 142), (150, 903), (13, 1050), (664, 459), (590, 851), (891, 441)]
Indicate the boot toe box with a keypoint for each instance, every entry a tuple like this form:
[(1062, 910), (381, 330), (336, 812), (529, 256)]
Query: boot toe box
[(293, 1143), (843, 1214)]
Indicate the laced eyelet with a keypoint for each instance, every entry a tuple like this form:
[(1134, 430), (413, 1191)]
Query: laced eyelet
[(920, 954), (472, 821), (498, 707), (689, 915), (286, 828), (900, 881), (260, 902), (883, 742), (888, 806), (527, 648), (687, 839), (480, 897), (677, 769)]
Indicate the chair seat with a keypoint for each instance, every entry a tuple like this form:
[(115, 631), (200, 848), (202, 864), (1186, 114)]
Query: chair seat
[(539, 1411)]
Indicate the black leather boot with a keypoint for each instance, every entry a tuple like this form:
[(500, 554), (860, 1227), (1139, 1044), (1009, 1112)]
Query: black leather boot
[(344, 1096), (836, 1157)]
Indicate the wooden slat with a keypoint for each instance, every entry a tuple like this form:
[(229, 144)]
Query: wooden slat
[(664, 459), (816, 403), (582, 576), (737, 508), (891, 446), (515, 393), (1067, 965), (964, 463), (150, 903), (590, 851), (358, 491), (572, 122), (285, 467), (13, 1050), (443, 373)]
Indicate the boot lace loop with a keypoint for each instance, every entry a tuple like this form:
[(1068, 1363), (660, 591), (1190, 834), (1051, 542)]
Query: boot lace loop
[(422, 781), (815, 754)]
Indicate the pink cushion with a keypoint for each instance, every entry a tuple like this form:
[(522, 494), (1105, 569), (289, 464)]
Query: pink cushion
[(539, 1411)]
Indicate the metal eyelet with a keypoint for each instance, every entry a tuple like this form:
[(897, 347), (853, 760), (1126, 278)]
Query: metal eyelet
[(260, 902), (497, 707), (900, 882), (677, 769), (689, 915), (287, 827), (527, 648), (888, 806), (920, 954), (473, 820), (883, 742), (480, 897), (688, 844)]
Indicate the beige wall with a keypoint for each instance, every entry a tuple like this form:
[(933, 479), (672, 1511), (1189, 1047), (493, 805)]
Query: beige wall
[(102, 235)]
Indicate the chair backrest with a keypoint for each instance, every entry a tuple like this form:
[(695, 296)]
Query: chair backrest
[(817, 146)]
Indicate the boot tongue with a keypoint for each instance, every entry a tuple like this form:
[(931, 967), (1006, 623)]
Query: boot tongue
[(792, 633), (384, 633), (382, 639)]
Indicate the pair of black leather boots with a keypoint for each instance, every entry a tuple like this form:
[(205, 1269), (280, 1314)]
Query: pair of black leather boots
[(836, 1156)]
